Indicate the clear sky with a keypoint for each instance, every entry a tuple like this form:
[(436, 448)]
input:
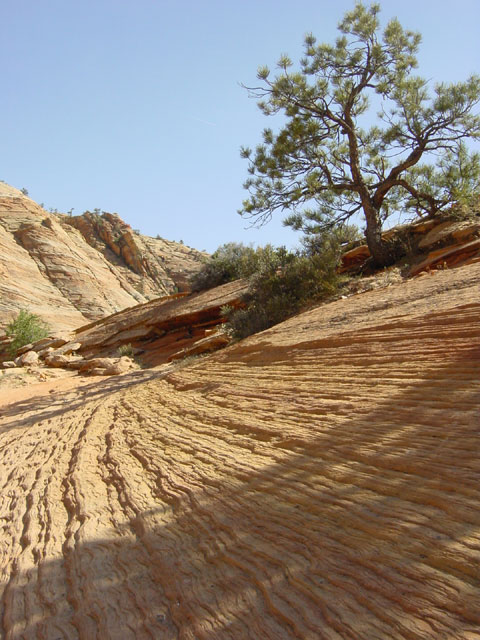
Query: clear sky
[(135, 106)]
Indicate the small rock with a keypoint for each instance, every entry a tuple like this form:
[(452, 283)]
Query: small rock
[(70, 347), (123, 365), (45, 352), (57, 360), (27, 359), (9, 364), (75, 363)]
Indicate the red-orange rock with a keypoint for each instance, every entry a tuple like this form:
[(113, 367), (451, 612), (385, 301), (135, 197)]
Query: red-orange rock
[(28, 358), (354, 258), (447, 257), (161, 327)]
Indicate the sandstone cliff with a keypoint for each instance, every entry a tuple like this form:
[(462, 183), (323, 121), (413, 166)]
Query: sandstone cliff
[(73, 269)]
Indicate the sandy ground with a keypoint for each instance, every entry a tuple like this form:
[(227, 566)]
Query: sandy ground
[(26, 387), (318, 480)]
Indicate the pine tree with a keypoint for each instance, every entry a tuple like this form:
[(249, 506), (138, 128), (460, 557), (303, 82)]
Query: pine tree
[(328, 163)]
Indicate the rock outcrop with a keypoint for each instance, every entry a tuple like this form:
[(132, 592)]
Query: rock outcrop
[(319, 480), (70, 270), (435, 243), (165, 329), (161, 327)]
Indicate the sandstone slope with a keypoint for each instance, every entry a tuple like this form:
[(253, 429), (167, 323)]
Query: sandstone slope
[(320, 480), (72, 269)]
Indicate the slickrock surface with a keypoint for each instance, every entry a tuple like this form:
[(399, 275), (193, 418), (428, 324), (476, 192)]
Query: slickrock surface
[(70, 270), (320, 480)]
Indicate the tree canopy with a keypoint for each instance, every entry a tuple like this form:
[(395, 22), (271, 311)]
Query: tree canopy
[(328, 161)]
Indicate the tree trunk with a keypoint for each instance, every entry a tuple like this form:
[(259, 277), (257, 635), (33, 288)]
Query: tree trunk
[(381, 252)]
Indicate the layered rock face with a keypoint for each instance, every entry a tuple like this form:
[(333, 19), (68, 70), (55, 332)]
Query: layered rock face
[(318, 480), (70, 270), (435, 243), (162, 330)]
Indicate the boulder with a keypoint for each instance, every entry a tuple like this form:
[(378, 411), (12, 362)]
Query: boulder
[(27, 359), (69, 347), (8, 364), (354, 259), (107, 366), (75, 362), (53, 343), (96, 363), (123, 365), (450, 232), (45, 352), (57, 360), (447, 257)]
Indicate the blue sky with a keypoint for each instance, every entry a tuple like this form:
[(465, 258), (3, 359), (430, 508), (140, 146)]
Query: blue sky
[(136, 106)]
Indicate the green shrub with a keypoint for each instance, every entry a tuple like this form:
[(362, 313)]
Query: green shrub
[(281, 282), (285, 282), (275, 295), (126, 350), (230, 262), (25, 328)]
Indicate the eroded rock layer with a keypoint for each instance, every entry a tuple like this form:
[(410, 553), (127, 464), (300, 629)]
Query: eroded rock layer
[(318, 480), (70, 270)]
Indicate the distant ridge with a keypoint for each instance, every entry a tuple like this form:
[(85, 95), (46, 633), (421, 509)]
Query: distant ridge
[(73, 269)]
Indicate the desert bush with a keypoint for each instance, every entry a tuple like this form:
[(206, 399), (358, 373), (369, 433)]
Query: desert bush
[(281, 282), (229, 262), (25, 328), (285, 283), (126, 350)]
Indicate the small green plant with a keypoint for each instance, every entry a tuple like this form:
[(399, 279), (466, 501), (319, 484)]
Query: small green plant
[(25, 328), (126, 350), (24, 191)]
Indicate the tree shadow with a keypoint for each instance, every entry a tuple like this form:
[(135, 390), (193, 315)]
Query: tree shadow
[(365, 526), (47, 407)]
